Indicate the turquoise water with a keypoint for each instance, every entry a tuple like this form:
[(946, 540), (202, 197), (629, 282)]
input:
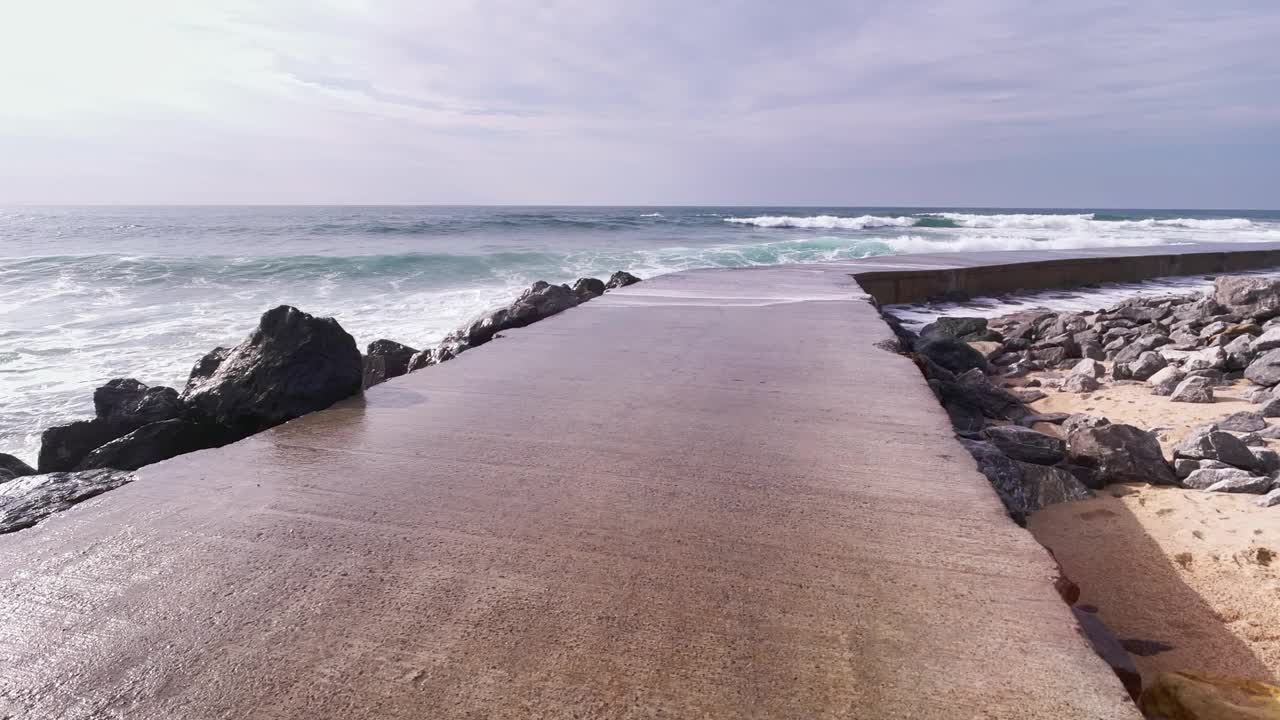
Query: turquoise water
[(87, 294)]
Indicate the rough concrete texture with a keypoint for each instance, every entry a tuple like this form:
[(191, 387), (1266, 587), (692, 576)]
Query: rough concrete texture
[(707, 495)]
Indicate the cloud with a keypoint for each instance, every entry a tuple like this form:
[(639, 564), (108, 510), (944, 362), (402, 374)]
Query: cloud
[(609, 101)]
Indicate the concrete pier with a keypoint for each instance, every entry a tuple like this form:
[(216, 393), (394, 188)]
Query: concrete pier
[(710, 495)]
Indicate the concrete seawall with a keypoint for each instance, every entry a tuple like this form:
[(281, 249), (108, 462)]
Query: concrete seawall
[(917, 278), (708, 495)]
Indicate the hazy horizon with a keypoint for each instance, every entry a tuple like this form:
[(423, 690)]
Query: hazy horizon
[(930, 103)]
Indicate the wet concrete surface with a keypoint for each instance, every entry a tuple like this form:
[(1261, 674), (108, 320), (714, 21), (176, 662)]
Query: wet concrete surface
[(708, 495)]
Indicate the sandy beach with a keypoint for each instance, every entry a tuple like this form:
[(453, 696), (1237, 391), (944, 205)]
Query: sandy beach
[(1187, 579)]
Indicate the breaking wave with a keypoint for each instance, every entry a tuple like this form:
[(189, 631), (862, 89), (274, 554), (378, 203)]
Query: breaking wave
[(999, 221)]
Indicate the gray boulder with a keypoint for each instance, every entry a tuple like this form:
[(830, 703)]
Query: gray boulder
[(1271, 499), (374, 370), (1075, 422), (1120, 453), (1243, 421), (1025, 444), (1166, 380), (1248, 296), (1268, 340), (1023, 487), (1147, 364), (1211, 444), (1271, 408), (1268, 460), (1265, 369), (1046, 485), (30, 499), (396, 356), (292, 364), (1195, 389), (1079, 384), (1204, 478), (1089, 368), (1253, 484), (953, 355), (11, 467), (620, 279)]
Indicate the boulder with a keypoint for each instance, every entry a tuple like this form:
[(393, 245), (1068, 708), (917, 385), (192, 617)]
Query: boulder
[(28, 500), (1092, 350), (1271, 408), (1047, 485), (588, 288), (1243, 421), (1027, 445), (987, 348), (1075, 422), (1195, 389), (1211, 444), (1132, 350), (1204, 478), (121, 406), (1268, 460), (292, 364), (1271, 499), (151, 444), (1166, 380), (1268, 340), (540, 301), (11, 467), (621, 278), (396, 356), (1120, 453), (1214, 358), (1147, 364), (1079, 384), (955, 328), (62, 447), (1248, 296), (1023, 487), (374, 370), (207, 365), (1253, 484), (1265, 369), (1089, 368), (422, 359), (969, 403), (953, 355)]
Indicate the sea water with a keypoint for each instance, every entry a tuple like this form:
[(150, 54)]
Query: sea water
[(92, 293)]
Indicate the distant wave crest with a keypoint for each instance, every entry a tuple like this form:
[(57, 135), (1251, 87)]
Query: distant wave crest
[(826, 222)]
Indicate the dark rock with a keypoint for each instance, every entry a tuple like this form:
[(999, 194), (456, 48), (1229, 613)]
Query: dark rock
[(151, 444), (1048, 354), (30, 499), (1132, 350), (396, 356), (1253, 440), (619, 279), (1028, 395), (1210, 444), (1121, 453), (1047, 485), (11, 467), (374, 370), (292, 364), (541, 300), (422, 359), (207, 365), (953, 355), (1023, 487), (587, 288), (1087, 476), (1194, 389), (1243, 421), (964, 329), (129, 402), (1026, 445), (1271, 408), (1050, 418), (1092, 351), (1265, 370), (63, 447), (1182, 467)]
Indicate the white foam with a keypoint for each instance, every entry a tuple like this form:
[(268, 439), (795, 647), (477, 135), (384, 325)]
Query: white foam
[(828, 222), (988, 243)]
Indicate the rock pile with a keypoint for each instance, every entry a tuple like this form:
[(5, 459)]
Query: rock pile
[(1181, 347), (290, 365)]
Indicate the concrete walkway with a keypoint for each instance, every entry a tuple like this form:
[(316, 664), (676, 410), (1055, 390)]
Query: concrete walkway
[(707, 496)]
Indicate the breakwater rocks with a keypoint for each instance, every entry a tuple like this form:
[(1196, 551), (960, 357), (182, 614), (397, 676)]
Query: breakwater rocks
[(291, 364), (1181, 347)]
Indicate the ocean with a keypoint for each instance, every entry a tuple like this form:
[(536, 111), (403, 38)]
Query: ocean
[(92, 293)]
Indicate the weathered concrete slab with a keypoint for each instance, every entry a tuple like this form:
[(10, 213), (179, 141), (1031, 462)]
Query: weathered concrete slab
[(708, 495)]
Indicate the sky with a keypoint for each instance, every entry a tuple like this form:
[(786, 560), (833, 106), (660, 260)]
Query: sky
[(1005, 103)]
